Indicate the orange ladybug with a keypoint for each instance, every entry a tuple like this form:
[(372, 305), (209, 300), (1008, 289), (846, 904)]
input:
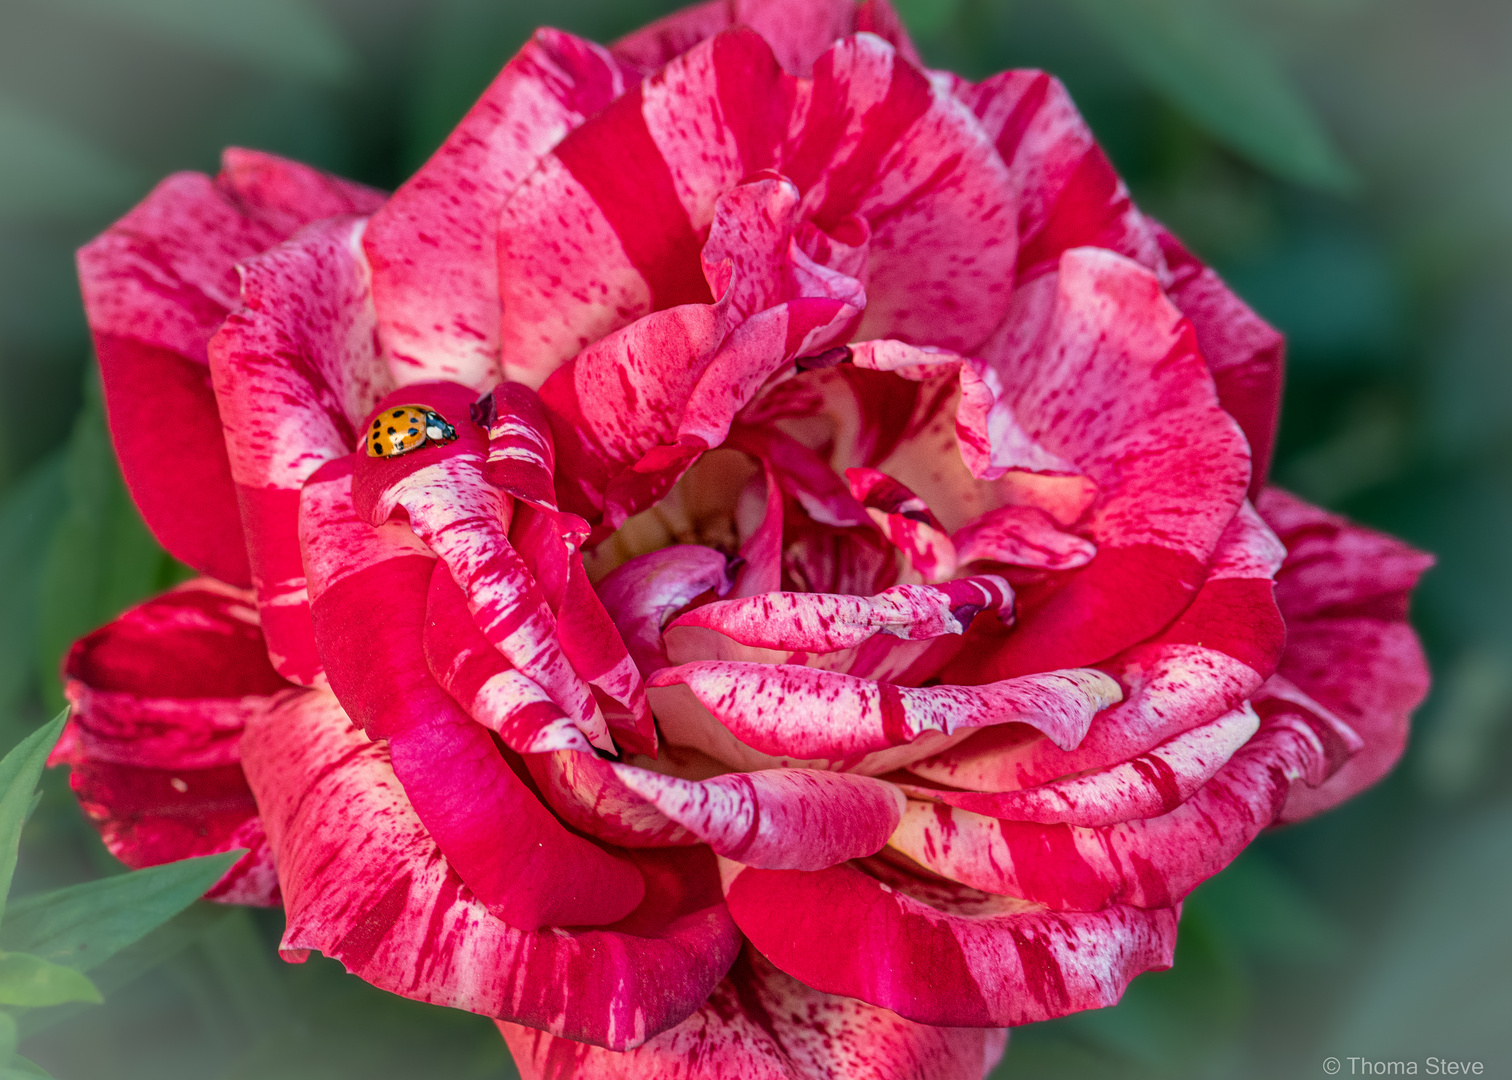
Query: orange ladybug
[(408, 427)]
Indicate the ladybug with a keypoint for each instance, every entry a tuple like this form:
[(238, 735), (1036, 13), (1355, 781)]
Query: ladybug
[(408, 427)]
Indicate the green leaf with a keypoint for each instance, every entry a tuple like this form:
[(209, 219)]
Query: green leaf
[(8, 1036), (84, 925), (1218, 74), (19, 772), (33, 982), (22, 1069), (49, 171), (160, 946), (101, 559), (280, 37)]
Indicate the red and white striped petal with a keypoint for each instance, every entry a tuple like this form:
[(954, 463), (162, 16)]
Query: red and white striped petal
[(1344, 591), (1105, 373), (798, 31), (521, 454), (465, 520), (1021, 536), (589, 795), (643, 593), (156, 286), (807, 714), (906, 520), (433, 247), (1201, 666), (1244, 353), (1065, 189), (295, 373), (471, 670), (1146, 786), (877, 138), (386, 904), (160, 698), (783, 819), (993, 961), (760, 1024), (370, 588), (1149, 863), (826, 622)]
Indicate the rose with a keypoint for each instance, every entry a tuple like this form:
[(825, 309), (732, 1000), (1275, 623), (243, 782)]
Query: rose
[(839, 454)]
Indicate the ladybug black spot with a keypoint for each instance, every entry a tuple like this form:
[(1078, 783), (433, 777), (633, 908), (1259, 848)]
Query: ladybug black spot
[(413, 431), (398, 412), (392, 430)]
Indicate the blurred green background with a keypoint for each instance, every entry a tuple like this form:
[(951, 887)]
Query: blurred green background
[(1347, 164)]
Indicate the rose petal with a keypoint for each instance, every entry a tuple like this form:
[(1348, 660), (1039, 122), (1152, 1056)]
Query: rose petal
[(1149, 863), (760, 1024), (798, 819), (1066, 191), (1106, 374), (640, 595), (160, 698), (370, 587), (295, 373), (494, 694), (1344, 591), (844, 932), (386, 904), (156, 285), (1213, 657), (1243, 352), (1149, 785), (809, 714), (1022, 536), (433, 247), (443, 495), (819, 622)]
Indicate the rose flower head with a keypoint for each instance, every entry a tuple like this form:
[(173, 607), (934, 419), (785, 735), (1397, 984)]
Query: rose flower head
[(754, 562)]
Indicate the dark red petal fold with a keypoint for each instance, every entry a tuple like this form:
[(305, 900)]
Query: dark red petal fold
[(1344, 591), (993, 961), (760, 1024), (160, 699), (386, 903)]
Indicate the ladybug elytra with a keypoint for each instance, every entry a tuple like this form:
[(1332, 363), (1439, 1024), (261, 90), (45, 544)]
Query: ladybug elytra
[(407, 427)]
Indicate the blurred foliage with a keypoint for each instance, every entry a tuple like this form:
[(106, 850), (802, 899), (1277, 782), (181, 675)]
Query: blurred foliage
[(1342, 162)]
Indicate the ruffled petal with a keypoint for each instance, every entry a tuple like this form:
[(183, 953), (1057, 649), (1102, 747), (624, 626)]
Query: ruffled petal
[(807, 714), (1149, 863), (1206, 663), (1149, 785), (434, 246), (386, 903), (369, 590), (784, 819), (160, 698), (992, 962), (798, 31), (1105, 373), (761, 1024), (645, 592), (156, 285), (295, 373), (826, 622), (1344, 591), (1021, 536), (1067, 192)]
